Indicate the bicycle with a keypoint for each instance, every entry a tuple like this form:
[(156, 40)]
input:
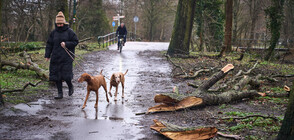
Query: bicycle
[(120, 43)]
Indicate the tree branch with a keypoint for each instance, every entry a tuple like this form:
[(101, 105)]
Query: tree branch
[(236, 137), (250, 116), (28, 65), (21, 89)]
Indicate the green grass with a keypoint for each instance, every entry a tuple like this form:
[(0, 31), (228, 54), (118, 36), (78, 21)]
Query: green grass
[(286, 69), (266, 125), (274, 100), (16, 78)]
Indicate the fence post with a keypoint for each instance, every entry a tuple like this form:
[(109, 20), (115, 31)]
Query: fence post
[(112, 39), (113, 36), (103, 41)]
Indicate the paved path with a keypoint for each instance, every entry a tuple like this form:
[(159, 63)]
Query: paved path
[(114, 120)]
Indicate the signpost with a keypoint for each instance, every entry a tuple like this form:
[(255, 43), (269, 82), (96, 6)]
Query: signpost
[(136, 19), (117, 18)]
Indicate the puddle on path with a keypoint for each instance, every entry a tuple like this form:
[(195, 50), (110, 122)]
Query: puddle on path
[(32, 108)]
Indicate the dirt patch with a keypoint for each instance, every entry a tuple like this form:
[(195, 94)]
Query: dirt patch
[(13, 127)]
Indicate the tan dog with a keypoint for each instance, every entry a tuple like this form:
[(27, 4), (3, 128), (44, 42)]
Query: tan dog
[(94, 83), (115, 79)]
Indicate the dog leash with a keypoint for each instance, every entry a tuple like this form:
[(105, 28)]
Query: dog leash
[(67, 51), (70, 52), (76, 55)]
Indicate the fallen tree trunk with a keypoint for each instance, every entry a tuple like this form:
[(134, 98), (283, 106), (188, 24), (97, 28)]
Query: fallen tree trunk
[(201, 96), (175, 101), (28, 65), (183, 133)]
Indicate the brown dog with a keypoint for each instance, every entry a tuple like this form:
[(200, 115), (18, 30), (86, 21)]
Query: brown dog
[(115, 79), (94, 83)]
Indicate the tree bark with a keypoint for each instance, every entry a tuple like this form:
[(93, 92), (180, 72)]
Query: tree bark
[(254, 12), (227, 47), (183, 133), (287, 128), (235, 19), (181, 35), (1, 98), (275, 14)]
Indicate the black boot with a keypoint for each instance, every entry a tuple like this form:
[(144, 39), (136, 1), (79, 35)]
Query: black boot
[(70, 88), (59, 88)]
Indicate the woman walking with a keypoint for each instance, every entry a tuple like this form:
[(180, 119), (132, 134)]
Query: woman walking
[(61, 38)]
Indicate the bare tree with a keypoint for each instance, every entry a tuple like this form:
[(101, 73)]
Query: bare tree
[(275, 15), (254, 9), (1, 99), (227, 47), (180, 41)]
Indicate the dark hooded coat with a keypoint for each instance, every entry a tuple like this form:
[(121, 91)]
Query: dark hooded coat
[(60, 62), (121, 31)]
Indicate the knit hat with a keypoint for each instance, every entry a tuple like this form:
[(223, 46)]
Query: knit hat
[(60, 18)]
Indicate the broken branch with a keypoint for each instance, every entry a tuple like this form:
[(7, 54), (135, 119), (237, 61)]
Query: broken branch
[(86, 39), (177, 66), (183, 133), (28, 65), (250, 116), (196, 74), (236, 137), (23, 88), (284, 76), (192, 85)]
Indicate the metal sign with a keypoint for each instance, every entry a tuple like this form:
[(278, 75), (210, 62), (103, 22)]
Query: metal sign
[(117, 17), (113, 23), (136, 19), (114, 18)]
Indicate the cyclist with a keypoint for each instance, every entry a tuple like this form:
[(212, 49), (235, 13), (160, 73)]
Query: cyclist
[(121, 31)]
